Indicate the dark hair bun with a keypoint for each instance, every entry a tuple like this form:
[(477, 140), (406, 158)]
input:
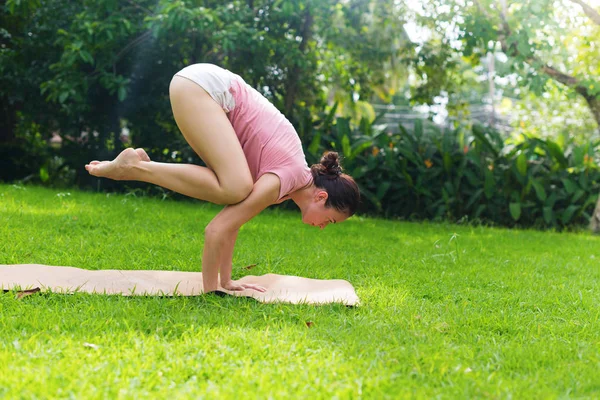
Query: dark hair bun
[(329, 165), (344, 194)]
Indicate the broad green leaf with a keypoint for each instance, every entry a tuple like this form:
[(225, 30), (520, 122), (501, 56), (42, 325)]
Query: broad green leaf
[(551, 200), (548, 214), (313, 148), (480, 209), (382, 189), (330, 116), (557, 153), (578, 195), (570, 186), (447, 162), (522, 164), (342, 127), (473, 180), (360, 148), (539, 190), (86, 56), (346, 147), (584, 180), (480, 135), (418, 129), (475, 197), (122, 93), (44, 176), (62, 97), (515, 210), (568, 214)]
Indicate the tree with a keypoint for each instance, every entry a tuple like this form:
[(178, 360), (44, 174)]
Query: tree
[(543, 40), (100, 65)]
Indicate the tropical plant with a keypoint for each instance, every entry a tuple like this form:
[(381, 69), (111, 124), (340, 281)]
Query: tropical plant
[(430, 173)]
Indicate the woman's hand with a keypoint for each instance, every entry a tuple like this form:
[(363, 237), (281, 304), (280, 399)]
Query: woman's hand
[(236, 287)]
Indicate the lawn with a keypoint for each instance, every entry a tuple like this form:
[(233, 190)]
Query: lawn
[(446, 311)]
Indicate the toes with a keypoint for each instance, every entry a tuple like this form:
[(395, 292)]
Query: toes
[(143, 155)]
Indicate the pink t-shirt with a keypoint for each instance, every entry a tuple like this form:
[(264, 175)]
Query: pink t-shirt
[(268, 139)]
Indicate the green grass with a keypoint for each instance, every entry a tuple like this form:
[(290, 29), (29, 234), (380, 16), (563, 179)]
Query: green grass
[(447, 311)]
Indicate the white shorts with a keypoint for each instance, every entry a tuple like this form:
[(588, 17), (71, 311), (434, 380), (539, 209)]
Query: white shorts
[(215, 80)]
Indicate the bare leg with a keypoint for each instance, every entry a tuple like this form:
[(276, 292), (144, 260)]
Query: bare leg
[(208, 131), (187, 179)]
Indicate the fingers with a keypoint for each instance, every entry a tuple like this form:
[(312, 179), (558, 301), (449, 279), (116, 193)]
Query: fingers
[(254, 287)]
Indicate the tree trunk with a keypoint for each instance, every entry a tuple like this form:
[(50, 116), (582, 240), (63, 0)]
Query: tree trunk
[(595, 220), (295, 74), (594, 103)]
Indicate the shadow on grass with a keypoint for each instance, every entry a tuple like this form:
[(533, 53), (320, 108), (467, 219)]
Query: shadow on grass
[(165, 316)]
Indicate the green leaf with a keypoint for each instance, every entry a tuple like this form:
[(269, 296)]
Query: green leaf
[(480, 209), (447, 162), (346, 146), (584, 180), (476, 196), (579, 153), (522, 164), (44, 176), (62, 97), (515, 210), (418, 128), (122, 93), (342, 127), (568, 214), (329, 119), (570, 186), (473, 180), (382, 189), (87, 57), (551, 200), (360, 148), (539, 190), (480, 135), (578, 195), (408, 178), (557, 153), (548, 214), (313, 148)]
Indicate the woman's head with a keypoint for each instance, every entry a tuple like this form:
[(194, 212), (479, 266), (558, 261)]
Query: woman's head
[(336, 194)]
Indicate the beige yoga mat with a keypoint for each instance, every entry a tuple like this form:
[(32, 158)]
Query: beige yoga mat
[(280, 288)]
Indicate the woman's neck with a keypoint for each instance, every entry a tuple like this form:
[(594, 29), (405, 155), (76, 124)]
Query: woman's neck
[(303, 197)]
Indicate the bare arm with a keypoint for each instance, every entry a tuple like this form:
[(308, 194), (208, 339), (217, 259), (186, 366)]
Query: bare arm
[(221, 232)]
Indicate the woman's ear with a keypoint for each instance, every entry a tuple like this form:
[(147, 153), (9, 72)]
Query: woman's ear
[(321, 195)]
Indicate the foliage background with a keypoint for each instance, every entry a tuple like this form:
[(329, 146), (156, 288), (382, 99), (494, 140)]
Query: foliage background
[(95, 74)]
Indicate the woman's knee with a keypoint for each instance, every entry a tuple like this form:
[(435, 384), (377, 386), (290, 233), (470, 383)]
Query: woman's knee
[(234, 194)]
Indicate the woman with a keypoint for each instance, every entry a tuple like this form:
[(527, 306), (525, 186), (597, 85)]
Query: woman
[(254, 158)]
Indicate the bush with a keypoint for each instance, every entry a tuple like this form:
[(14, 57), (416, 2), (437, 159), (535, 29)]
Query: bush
[(455, 175)]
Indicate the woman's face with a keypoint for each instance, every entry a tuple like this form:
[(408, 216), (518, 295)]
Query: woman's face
[(316, 214)]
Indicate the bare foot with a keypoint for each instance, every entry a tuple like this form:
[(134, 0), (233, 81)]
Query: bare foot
[(143, 154), (118, 169)]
